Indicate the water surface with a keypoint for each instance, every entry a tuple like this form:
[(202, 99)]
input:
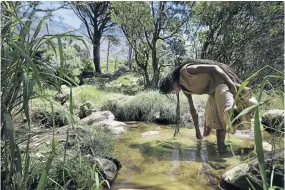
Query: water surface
[(179, 168)]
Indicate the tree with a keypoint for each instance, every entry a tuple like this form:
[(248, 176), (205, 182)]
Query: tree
[(246, 35), (96, 18), (112, 41), (152, 21)]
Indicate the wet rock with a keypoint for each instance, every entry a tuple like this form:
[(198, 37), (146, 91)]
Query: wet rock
[(107, 167), (237, 175), (61, 96), (86, 109), (150, 133), (236, 178), (207, 175), (96, 117), (248, 133), (116, 128), (266, 147), (273, 119), (217, 165)]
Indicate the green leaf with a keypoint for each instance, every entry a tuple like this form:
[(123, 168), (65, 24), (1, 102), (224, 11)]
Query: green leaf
[(275, 188), (47, 28), (70, 102), (50, 42), (259, 148), (97, 180), (44, 175), (61, 73), (30, 63), (14, 150), (248, 110), (39, 27)]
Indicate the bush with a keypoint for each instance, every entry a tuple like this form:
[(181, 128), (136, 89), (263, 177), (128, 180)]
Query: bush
[(88, 65), (75, 173), (72, 65), (78, 171), (150, 106)]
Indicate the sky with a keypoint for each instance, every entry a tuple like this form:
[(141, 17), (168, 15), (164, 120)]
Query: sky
[(68, 16)]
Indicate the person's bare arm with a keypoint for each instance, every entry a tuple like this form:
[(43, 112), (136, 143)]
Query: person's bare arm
[(194, 115), (194, 69)]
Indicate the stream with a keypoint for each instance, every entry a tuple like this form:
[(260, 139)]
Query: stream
[(162, 162)]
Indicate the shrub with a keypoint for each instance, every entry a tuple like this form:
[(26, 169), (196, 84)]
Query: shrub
[(72, 65), (150, 106)]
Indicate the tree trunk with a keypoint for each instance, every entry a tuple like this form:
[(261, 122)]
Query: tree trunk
[(146, 77), (130, 58), (204, 49), (155, 77), (116, 63), (96, 55), (108, 50)]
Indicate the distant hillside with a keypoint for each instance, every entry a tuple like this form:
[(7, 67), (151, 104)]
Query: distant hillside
[(56, 27)]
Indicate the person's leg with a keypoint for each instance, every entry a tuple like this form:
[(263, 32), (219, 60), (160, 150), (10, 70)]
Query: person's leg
[(212, 120), (225, 101), (208, 118), (221, 136)]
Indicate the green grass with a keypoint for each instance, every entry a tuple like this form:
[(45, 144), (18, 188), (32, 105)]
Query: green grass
[(129, 83), (150, 105), (112, 66), (276, 100)]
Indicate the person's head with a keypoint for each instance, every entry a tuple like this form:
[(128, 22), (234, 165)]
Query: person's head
[(170, 82)]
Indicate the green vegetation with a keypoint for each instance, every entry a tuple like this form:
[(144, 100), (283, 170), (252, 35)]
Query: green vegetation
[(149, 106), (72, 62), (35, 64), (23, 77)]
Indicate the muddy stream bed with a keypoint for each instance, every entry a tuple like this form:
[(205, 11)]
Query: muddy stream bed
[(162, 162)]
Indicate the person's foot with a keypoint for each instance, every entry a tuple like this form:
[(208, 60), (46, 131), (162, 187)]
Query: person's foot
[(222, 148)]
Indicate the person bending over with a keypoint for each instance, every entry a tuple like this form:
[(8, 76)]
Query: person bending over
[(218, 81)]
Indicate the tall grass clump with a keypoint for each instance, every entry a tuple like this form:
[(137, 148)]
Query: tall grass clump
[(264, 102), (22, 73), (149, 106)]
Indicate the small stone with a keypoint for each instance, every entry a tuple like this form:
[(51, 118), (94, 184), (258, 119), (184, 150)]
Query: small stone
[(89, 104), (150, 133)]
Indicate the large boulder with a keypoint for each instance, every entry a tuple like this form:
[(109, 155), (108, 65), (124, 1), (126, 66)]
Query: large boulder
[(97, 117), (273, 119), (236, 178), (115, 128), (106, 120)]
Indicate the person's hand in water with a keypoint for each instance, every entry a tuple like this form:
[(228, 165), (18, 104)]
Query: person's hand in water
[(199, 136)]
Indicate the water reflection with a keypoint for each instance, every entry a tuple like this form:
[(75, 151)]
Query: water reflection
[(204, 151)]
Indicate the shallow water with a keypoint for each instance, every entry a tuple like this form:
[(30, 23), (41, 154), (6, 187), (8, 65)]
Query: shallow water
[(180, 169)]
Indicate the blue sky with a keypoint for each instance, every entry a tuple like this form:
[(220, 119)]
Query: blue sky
[(68, 15)]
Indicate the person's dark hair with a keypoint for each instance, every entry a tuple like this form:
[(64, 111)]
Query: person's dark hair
[(167, 82)]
